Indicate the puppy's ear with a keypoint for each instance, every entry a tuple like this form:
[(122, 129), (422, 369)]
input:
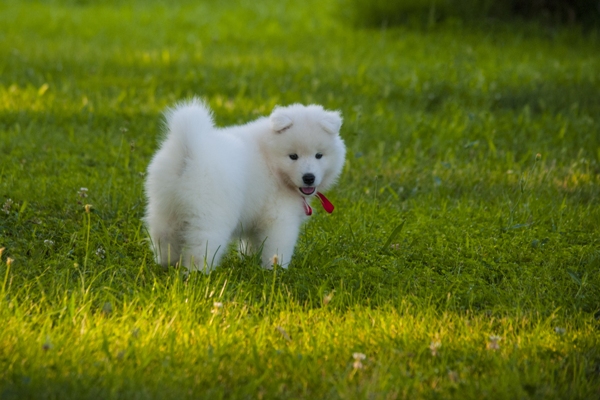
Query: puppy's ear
[(279, 121), (331, 122)]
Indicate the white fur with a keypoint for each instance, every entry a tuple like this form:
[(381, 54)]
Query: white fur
[(207, 186)]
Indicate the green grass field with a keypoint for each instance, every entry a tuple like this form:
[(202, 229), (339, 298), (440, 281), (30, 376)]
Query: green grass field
[(462, 261)]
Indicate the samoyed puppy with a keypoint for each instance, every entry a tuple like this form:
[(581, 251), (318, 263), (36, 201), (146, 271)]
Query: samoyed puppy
[(207, 186)]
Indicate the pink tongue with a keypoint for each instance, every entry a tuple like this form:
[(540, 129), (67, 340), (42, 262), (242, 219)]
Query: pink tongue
[(307, 190)]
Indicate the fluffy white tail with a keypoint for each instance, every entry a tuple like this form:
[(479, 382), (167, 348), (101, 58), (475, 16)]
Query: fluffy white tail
[(186, 121), (186, 124)]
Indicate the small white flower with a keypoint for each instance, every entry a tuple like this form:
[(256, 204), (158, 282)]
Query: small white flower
[(49, 242), (100, 252), (328, 298), (358, 358), (7, 205), (434, 346), (83, 192), (217, 305), (494, 342), (560, 331)]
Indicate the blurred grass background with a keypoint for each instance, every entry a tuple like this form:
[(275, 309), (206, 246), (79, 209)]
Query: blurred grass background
[(463, 258), (582, 13)]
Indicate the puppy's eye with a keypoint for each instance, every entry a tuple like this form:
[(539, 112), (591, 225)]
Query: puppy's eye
[(318, 156), (294, 156)]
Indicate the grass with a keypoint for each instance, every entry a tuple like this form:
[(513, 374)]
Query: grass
[(463, 258)]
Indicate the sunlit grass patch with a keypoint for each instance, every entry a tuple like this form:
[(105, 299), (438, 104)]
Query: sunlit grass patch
[(461, 261), (234, 341)]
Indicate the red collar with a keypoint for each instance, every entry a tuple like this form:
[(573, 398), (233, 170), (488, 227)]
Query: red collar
[(324, 202)]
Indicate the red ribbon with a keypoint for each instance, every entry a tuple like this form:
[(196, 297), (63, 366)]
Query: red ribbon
[(324, 202)]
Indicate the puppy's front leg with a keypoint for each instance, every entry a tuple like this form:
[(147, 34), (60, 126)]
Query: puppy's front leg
[(280, 242)]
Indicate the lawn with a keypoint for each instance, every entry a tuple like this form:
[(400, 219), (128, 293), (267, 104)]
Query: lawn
[(462, 261)]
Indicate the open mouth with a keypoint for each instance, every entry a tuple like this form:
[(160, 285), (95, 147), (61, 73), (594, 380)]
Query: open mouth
[(307, 190)]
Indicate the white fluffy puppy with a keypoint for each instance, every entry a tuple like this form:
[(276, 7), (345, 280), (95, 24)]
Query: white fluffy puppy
[(207, 186)]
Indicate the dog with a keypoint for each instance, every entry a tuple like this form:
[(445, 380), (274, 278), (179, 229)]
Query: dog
[(207, 186)]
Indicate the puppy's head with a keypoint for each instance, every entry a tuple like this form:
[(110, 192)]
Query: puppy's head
[(304, 148)]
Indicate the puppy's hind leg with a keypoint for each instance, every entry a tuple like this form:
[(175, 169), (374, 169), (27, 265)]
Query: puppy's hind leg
[(166, 241), (204, 249), (167, 250)]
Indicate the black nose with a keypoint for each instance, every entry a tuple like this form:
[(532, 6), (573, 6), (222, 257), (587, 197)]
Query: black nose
[(308, 179)]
